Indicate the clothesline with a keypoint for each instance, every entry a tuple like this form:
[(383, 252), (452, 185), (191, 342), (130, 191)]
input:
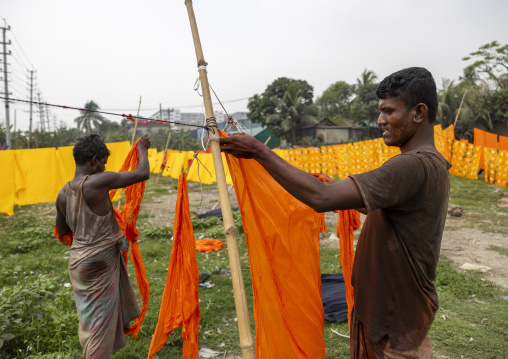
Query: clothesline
[(129, 116)]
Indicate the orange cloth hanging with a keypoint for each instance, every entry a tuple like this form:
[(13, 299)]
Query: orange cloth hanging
[(208, 245), (348, 221), (127, 218), (282, 237), (180, 300), (486, 139), (503, 143)]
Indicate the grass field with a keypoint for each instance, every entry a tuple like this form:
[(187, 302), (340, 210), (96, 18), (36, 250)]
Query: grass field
[(38, 318)]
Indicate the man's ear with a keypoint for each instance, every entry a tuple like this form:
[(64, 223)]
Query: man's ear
[(421, 112), (94, 160)]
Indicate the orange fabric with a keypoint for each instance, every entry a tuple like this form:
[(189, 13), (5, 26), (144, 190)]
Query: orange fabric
[(503, 143), (348, 221), (127, 218), (64, 239), (282, 237), (208, 245), (180, 300), (486, 139)]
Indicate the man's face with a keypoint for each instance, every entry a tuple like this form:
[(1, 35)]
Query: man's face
[(100, 165), (396, 121)]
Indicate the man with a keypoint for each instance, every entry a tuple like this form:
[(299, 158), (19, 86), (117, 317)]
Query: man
[(104, 296), (406, 200)]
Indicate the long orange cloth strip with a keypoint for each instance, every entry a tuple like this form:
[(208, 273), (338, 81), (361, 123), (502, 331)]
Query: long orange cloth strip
[(180, 301), (127, 218), (282, 237), (348, 221)]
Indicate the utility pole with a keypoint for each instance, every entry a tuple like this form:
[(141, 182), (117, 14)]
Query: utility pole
[(47, 119), (7, 122), (31, 102), (41, 112)]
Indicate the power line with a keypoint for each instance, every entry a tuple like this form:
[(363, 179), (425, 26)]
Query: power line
[(18, 44), (130, 117), (177, 107)]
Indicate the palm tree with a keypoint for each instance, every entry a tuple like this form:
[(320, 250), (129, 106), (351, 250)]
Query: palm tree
[(448, 103), (89, 117), (292, 112), (472, 113), (366, 78), (364, 107)]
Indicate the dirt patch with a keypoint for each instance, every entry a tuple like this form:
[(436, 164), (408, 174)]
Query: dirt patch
[(462, 245), (471, 245), (161, 212)]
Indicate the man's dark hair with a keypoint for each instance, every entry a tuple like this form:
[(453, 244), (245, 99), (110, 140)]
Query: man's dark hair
[(413, 85), (89, 146)]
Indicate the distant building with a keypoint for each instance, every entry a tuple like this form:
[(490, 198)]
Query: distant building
[(175, 120), (328, 133)]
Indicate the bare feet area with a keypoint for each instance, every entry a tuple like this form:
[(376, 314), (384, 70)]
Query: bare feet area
[(468, 248)]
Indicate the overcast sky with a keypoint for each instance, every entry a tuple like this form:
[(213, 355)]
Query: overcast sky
[(113, 51)]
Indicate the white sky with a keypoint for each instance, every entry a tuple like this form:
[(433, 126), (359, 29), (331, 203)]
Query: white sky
[(115, 51)]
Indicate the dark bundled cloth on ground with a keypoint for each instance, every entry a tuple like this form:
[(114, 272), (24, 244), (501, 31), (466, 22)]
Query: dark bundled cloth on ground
[(333, 295), (214, 213)]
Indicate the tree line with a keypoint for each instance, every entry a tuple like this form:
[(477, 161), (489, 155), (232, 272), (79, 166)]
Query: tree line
[(479, 98)]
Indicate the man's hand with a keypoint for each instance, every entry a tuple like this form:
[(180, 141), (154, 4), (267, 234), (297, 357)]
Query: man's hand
[(143, 143), (241, 145)]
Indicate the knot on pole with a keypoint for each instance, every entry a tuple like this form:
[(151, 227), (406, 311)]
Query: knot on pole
[(231, 231), (202, 62), (211, 123)]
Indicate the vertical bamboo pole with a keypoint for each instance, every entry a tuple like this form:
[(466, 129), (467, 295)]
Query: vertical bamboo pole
[(136, 123), (164, 159), (242, 312), (119, 203)]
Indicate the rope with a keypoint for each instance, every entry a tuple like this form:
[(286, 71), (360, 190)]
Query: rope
[(231, 122), (130, 117), (164, 165)]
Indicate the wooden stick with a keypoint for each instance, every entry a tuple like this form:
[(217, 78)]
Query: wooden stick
[(242, 312), (165, 149), (136, 123), (119, 203), (460, 106)]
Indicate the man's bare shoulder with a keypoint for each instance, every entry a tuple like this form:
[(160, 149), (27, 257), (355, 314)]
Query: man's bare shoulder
[(101, 179)]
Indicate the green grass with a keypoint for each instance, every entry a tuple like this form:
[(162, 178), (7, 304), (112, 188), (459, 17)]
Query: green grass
[(479, 203), (502, 250), (33, 275)]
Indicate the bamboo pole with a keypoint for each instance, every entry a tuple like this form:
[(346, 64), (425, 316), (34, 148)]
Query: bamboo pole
[(136, 123), (164, 159), (244, 327), (460, 106), (119, 203)]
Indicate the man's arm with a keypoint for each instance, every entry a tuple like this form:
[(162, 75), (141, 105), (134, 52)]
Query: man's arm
[(328, 180), (61, 224), (303, 186)]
